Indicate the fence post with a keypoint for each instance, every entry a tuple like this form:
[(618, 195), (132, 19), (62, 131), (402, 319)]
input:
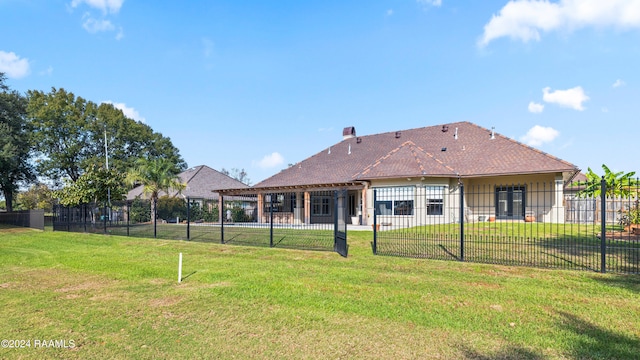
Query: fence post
[(104, 217), (188, 220), (128, 215), (221, 217), (271, 221), (84, 216), (155, 220), (335, 218), (603, 225), (375, 223), (68, 218), (461, 222)]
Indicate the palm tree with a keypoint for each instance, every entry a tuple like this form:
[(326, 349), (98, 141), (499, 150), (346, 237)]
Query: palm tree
[(155, 176), (618, 184)]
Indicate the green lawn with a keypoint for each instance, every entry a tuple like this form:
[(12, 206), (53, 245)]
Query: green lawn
[(568, 246), (118, 297)]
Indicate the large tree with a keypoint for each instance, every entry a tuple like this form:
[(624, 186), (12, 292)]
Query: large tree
[(15, 149), (96, 185), (38, 196), (69, 134)]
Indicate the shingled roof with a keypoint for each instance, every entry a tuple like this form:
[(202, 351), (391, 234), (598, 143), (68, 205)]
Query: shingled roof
[(458, 149), (202, 182)]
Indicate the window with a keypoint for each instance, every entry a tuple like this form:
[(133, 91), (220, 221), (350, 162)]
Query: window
[(321, 205), (434, 202), (281, 202), (510, 202), (395, 200)]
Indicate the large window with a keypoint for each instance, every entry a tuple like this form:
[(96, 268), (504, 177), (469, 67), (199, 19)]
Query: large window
[(434, 202), (510, 202), (395, 200), (281, 202), (321, 205)]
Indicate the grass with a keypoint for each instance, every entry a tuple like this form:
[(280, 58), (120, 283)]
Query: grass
[(118, 297), (568, 246)]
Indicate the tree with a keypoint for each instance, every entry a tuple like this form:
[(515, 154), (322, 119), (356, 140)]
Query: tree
[(240, 175), (38, 196), (15, 149), (155, 175), (96, 185), (69, 134), (618, 184)]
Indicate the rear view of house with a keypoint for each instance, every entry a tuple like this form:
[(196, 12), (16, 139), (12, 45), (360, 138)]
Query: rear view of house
[(413, 175)]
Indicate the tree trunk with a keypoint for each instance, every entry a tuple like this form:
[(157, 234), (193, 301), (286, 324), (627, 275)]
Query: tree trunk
[(8, 198)]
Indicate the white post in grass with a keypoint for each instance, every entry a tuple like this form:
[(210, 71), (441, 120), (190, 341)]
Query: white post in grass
[(180, 269)]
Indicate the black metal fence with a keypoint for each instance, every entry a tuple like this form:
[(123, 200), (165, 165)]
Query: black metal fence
[(287, 220), (531, 224), (27, 218)]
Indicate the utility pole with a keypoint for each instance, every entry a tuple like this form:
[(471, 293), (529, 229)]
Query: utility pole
[(106, 156)]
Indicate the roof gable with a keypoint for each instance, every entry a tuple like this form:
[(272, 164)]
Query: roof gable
[(406, 160)]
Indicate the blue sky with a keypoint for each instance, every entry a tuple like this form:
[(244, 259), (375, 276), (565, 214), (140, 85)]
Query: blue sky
[(262, 84)]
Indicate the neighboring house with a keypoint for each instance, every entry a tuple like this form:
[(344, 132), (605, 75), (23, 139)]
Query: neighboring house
[(202, 185), (422, 164)]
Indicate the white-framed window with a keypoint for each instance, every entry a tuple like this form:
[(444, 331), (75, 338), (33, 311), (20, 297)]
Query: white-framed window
[(434, 200), (397, 200)]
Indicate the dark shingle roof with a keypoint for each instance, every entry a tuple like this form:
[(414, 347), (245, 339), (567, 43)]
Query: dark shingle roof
[(202, 182), (464, 149)]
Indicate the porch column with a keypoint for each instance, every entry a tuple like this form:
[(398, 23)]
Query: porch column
[(307, 207), (298, 215), (364, 210), (260, 207), (557, 212)]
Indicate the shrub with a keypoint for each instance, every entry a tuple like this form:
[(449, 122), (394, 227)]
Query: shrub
[(171, 208), (140, 211)]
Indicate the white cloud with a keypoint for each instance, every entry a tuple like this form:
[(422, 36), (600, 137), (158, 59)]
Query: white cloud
[(539, 135), (618, 83), (389, 12), (535, 107), (93, 25), (127, 111), (525, 19), (571, 98), (271, 161), (107, 6), (13, 66)]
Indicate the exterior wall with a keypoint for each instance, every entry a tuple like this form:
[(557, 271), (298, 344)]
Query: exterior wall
[(543, 199), (421, 193), (543, 196)]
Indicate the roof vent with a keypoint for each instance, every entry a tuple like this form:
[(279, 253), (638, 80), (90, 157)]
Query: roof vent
[(443, 149), (358, 140), (445, 128), (455, 136), (493, 133), (398, 133), (348, 132)]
